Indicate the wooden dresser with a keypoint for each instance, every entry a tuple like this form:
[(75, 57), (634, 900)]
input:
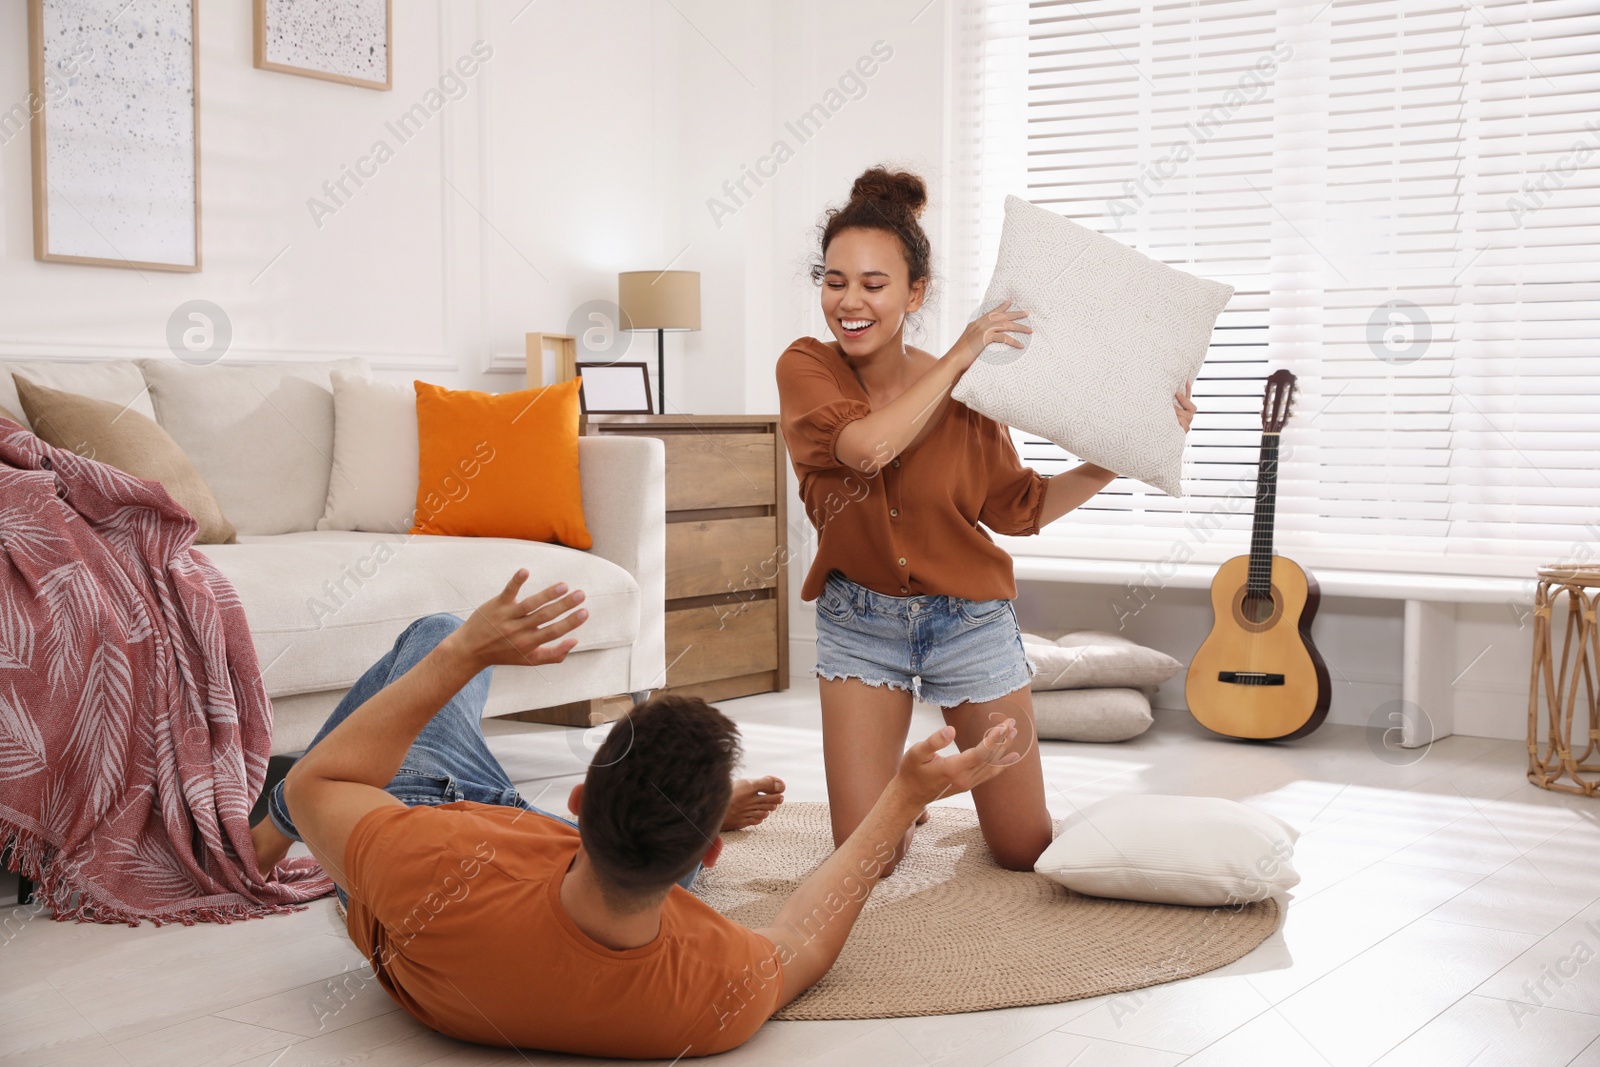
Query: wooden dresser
[(727, 550)]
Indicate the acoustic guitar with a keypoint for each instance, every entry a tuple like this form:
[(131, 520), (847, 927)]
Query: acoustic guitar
[(1258, 675)]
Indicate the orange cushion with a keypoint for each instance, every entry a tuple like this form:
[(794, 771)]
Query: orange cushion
[(500, 464)]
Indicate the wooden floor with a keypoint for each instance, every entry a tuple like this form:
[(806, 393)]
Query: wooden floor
[(1444, 918)]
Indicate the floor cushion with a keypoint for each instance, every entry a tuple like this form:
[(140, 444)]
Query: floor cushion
[(1091, 714), (1095, 659), (1201, 851)]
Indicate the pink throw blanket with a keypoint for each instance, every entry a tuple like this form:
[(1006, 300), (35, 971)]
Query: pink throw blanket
[(134, 724)]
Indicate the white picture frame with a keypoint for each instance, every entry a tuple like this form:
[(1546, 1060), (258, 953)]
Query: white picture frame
[(614, 389)]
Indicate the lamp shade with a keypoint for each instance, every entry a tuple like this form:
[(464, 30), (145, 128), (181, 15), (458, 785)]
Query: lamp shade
[(659, 299)]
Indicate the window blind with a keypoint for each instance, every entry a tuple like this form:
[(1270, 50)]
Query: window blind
[(1406, 197)]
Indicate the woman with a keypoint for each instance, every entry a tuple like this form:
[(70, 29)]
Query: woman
[(913, 597)]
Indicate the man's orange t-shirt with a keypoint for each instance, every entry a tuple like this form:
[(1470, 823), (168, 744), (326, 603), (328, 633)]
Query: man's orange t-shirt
[(458, 909)]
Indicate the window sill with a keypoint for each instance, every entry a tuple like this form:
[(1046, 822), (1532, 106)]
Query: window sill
[(1455, 589)]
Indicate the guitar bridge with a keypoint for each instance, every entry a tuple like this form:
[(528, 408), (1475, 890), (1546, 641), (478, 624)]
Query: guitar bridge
[(1249, 678)]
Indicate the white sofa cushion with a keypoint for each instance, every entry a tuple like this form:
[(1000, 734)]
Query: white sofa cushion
[(375, 456), (324, 606), (118, 381), (1115, 335), (261, 436), (1200, 851)]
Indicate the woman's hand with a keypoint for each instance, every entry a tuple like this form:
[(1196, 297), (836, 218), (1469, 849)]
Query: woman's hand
[(1184, 403), (520, 632), (997, 325)]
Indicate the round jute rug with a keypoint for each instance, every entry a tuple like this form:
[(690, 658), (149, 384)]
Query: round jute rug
[(951, 932)]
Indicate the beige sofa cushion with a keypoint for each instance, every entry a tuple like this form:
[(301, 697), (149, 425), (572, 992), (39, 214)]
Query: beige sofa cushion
[(261, 436), (324, 606), (128, 441), (118, 381), (375, 456)]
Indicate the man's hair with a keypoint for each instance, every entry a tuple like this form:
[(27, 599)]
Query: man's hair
[(655, 796)]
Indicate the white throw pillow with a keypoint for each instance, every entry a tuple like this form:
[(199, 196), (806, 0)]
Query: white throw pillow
[(1094, 659), (1091, 714), (375, 456), (1201, 851), (1115, 335)]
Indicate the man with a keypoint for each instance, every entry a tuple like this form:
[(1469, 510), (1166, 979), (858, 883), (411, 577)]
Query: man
[(493, 922)]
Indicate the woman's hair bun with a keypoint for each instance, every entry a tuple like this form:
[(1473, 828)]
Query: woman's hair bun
[(886, 200), (896, 187)]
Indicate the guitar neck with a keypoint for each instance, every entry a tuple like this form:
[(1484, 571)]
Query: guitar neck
[(1260, 579)]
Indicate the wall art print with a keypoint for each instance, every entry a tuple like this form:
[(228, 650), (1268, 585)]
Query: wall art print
[(339, 40), (114, 97)]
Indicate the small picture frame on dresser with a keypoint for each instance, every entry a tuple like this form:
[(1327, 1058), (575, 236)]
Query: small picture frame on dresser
[(614, 389)]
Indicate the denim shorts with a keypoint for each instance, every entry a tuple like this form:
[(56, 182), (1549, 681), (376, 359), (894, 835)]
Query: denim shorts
[(942, 649)]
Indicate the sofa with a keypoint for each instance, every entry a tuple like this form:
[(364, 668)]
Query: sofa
[(324, 604)]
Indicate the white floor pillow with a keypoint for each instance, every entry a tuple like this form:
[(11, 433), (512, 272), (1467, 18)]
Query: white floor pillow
[(1202, 851), (1091, 714), (1093, 659), (1115, 335)]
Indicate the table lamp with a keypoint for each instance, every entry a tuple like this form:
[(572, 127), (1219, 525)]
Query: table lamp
[(659, 300)]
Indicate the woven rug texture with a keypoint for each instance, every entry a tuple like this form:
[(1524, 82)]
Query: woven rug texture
[(950, 931)]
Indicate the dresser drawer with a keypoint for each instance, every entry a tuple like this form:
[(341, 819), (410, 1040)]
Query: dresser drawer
[(719, 470), (718, 556), (721, 641)]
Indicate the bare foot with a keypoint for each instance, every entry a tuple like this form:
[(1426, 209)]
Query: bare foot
[(271, 846), (923, 817), (753, 800)]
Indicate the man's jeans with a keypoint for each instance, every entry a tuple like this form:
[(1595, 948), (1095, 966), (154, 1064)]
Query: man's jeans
[(449, 760)]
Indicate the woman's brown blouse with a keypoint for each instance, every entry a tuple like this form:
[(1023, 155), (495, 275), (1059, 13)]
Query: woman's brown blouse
[(912, 528)]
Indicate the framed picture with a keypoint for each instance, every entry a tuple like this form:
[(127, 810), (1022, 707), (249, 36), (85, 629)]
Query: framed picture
[(345, 41), (614, 389), (115, 98)]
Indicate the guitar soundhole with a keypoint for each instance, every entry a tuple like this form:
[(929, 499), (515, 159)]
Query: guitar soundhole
[(1256, 612), (1257, 608)]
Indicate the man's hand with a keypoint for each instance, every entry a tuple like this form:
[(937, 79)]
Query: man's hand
[(519, 633), (839, 888), (926, 776)]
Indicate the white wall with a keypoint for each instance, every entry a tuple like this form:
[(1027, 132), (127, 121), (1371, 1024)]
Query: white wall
[(517, 201), (370, 281), (590, 142)]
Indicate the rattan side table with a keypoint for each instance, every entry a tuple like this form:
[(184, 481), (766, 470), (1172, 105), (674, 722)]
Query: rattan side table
[(1570, 721)]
